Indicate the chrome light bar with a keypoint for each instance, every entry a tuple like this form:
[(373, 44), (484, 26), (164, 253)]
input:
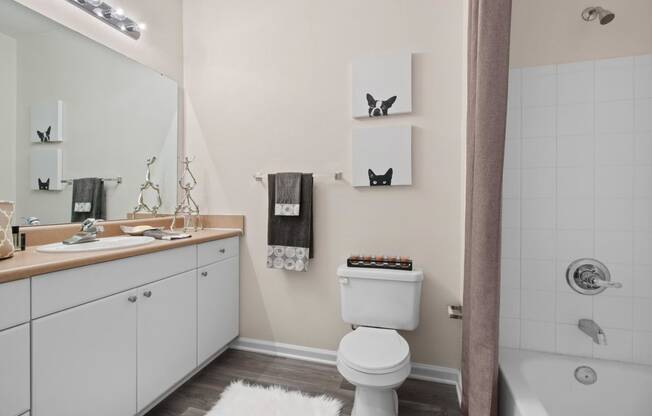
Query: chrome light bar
[(114, 17)]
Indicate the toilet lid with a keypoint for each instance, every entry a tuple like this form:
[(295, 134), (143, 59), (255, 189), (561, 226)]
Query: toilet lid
[(374, 350)]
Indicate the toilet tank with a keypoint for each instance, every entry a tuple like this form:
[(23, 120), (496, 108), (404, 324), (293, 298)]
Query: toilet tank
[(380, 297)]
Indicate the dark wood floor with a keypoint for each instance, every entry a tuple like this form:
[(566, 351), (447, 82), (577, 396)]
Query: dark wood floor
[(200, 393)]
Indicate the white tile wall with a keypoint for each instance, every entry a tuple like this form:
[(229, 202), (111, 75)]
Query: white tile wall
[(578, 183)]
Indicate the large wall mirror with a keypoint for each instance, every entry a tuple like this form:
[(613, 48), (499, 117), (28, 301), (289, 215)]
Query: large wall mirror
[(72, 109)]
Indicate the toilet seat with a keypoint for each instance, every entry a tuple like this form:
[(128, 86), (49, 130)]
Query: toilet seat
[(374, 351)]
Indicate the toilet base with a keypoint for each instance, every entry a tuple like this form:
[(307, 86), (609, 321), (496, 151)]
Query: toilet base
[(375, 402)]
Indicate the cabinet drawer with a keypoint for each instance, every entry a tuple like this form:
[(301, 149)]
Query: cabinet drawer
[(14, 298), (14, 371), (217, 250), (61, 290)]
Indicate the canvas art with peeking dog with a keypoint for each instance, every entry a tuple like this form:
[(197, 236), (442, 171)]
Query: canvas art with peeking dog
[(382, 85), (47, 122), (382, 156)]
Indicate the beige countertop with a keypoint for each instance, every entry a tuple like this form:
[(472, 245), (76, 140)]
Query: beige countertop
[(30, 263)]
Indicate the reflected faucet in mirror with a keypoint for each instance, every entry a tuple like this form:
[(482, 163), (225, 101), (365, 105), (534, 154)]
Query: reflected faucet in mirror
[(31, 221), (88, 233)]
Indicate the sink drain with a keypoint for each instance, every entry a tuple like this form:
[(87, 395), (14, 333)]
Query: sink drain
[(586, 375)]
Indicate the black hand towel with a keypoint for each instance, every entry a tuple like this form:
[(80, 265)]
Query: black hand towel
[(289, 238), (87, 199)]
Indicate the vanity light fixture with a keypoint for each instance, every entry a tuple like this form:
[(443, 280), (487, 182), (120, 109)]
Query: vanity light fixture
[(113, 16)]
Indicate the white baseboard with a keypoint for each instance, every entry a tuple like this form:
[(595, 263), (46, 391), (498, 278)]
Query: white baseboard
[(420, 371)]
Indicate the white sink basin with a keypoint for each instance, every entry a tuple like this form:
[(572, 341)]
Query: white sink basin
[(109, 243)]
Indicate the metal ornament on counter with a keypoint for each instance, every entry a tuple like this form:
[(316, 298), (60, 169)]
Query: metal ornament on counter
[(148, 184), (188, 208)]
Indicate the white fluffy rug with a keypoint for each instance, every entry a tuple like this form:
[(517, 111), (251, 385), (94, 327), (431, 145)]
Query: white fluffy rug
[(241, 399)]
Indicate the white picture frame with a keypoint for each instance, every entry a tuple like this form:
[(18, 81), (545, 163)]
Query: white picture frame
[(382, 85), (46, 123), (46, 169), (382, 156)]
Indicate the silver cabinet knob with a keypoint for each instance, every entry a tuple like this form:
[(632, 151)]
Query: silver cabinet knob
[(222, 250), (147, 293), (132, 298), (204, 274)]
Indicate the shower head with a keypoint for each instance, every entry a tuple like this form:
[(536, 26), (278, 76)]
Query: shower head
[(604, 16)]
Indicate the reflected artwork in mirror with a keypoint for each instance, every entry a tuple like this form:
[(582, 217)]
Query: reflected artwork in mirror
[(74, 113)]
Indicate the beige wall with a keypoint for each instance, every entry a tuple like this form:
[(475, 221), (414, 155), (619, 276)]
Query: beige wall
[(159, 47), (268, 89), (7, 118), (553, 32)]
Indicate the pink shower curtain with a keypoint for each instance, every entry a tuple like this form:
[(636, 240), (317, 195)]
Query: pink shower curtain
[(488, 61)]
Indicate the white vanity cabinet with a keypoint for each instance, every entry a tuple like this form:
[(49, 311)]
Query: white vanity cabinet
[(14, 348), (217, 306), (114, 338), (167, 334), (14, 371), (84, 359)]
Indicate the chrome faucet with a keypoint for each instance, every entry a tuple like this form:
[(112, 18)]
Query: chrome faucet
[(31, 221), (89, 230), (590, 328)]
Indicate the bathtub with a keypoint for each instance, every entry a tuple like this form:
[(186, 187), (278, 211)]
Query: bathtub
[(540, 384)]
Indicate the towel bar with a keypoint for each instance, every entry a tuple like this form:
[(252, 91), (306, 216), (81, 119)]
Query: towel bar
[(117, 179), (338, 176)]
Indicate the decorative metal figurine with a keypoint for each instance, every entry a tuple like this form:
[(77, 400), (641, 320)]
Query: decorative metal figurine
[(187, 207), (142, 205)]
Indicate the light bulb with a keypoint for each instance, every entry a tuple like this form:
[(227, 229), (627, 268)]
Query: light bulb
[(142, 26), (118, 14)]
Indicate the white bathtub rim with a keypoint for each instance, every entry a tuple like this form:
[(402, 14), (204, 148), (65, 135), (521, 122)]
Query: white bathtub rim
[(526, 401)]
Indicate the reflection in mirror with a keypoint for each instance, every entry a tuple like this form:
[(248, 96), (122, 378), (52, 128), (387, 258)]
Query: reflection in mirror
[(71, 109)]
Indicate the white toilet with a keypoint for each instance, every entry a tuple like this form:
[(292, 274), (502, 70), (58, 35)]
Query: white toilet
[(374, 357)]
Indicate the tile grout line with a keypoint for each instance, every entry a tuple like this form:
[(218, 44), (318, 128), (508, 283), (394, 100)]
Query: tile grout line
[(633, 211)]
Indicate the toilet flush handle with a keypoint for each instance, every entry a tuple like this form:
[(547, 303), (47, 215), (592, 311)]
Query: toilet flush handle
[(344, 280)]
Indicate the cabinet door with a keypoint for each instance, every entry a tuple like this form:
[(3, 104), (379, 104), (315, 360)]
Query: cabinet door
[(218, 298), (84, 359), (167, 334), (14, 371)]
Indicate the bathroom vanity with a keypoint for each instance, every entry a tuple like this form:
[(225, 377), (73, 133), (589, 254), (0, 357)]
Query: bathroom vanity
[(114, 337)]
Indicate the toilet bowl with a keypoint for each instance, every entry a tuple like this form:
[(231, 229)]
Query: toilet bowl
[(376, 361)]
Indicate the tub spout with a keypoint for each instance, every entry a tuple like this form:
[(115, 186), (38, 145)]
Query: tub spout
[(590, 328)]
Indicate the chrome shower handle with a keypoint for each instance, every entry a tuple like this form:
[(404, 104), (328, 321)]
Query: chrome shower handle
[(604, 283), (590, 277), (594, 278)]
